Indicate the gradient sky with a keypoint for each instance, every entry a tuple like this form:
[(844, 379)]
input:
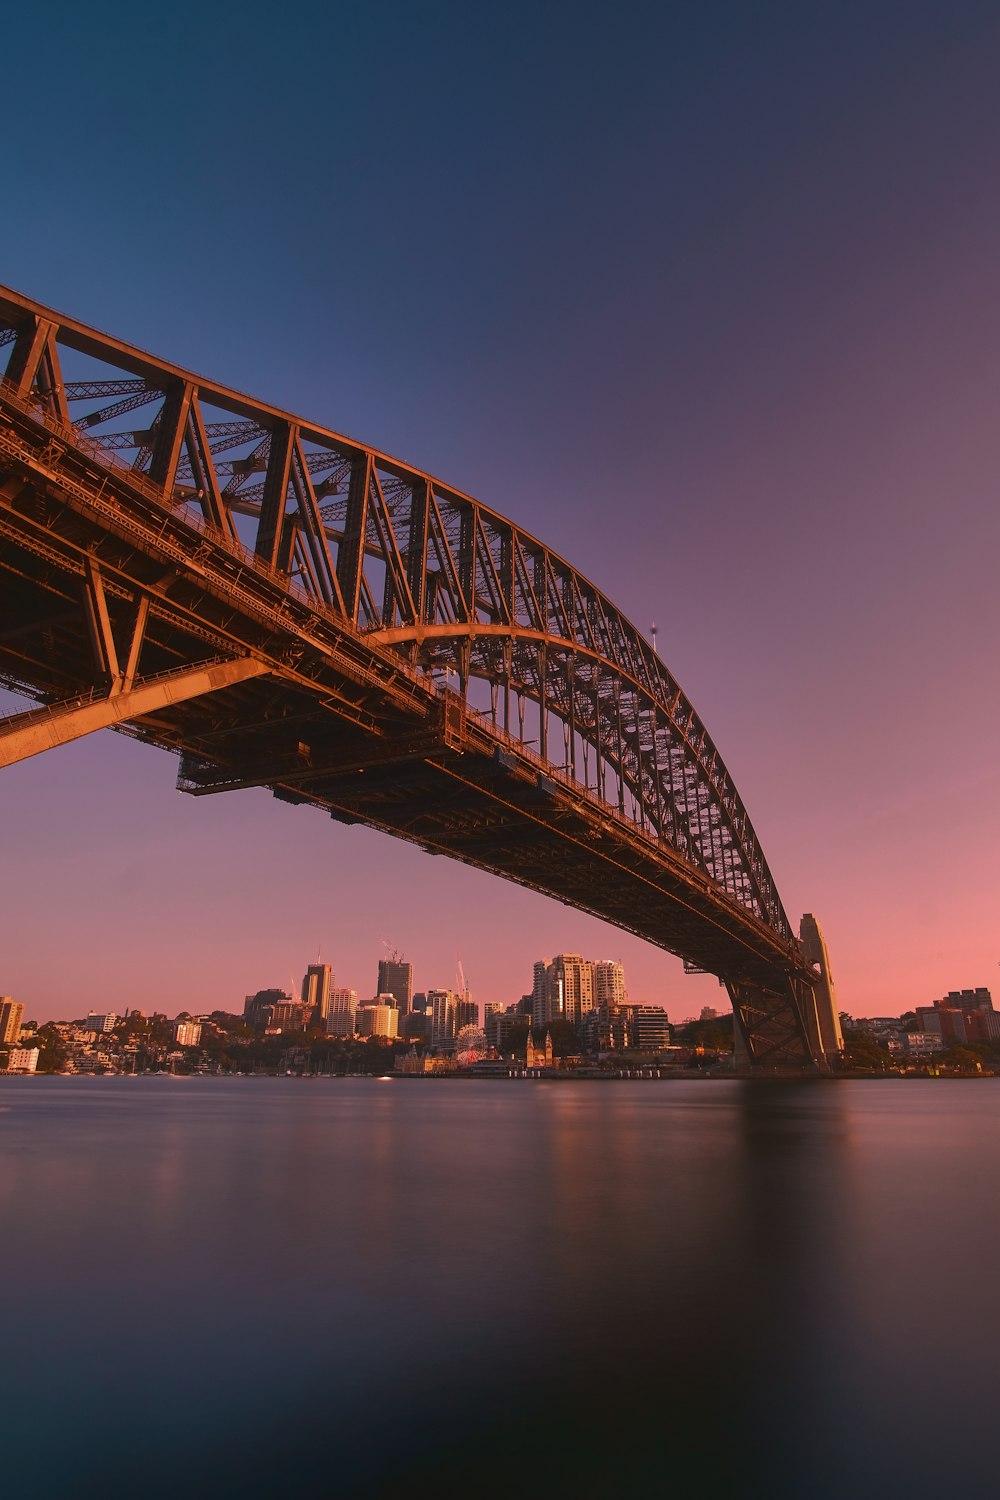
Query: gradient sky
[(706, 296)]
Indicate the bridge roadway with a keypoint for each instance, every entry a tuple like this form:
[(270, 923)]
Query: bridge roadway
[(176, 599)]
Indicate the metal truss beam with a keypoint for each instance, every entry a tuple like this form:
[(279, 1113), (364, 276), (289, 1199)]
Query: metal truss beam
[(43, 729)]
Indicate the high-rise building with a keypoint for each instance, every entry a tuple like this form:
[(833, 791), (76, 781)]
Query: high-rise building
[(288, 1015), (442, 1008), (466, 1011), (417, 1026), (492, 1011), (563, 989), (258, 1009), (340, 1017), (187, 1033), (395, 978), (11, 1015), (539, 1011), (316, 985), (609, 984)]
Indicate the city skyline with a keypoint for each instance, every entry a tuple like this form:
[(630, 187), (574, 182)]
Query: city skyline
[(778, 315)]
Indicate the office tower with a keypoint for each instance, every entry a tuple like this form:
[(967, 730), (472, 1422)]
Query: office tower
[(340, 1017), (416, 1026), (316, 985), (395, 977), (288, 1015), (609, 984), (813, 945), (11, 1015), (380, 1017), (258, 1009)]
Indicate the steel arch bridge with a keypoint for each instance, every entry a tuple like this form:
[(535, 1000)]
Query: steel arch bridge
[(287, 607)]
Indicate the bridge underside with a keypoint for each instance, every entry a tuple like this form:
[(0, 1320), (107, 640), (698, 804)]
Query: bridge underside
[(118, 610)]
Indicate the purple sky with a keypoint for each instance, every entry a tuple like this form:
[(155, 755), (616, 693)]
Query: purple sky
[(705, 296)]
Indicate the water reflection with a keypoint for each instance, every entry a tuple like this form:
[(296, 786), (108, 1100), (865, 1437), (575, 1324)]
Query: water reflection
[(345, 1289)]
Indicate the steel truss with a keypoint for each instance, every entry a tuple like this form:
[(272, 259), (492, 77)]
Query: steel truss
[(535, 661)]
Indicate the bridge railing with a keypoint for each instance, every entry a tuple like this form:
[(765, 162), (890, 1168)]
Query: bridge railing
[(72, 437)]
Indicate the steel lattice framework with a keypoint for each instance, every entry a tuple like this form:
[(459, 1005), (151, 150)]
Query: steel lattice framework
[(356, 618)]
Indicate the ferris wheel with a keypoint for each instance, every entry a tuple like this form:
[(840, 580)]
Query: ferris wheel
[(470, 1046)]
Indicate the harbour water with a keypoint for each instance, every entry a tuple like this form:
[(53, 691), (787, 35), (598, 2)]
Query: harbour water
[(359, 1288)]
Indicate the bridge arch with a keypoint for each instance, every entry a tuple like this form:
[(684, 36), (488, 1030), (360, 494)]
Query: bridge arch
[(464, 600)]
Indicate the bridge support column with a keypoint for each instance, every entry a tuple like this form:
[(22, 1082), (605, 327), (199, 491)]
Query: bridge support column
[(776, 1031), (41, 729)]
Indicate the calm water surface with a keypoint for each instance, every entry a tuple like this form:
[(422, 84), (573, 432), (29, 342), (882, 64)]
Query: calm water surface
[(244, 1287)]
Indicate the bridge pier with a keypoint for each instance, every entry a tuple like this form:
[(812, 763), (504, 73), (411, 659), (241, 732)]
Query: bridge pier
[(776, 1030)]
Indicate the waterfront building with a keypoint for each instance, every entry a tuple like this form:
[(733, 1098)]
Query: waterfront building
[(395, 978), (538, 1057), (340, 1017), (187, 1033), (317, 983), (379, 1018), (11, 1016), (649, 1029), (22, 1059)]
